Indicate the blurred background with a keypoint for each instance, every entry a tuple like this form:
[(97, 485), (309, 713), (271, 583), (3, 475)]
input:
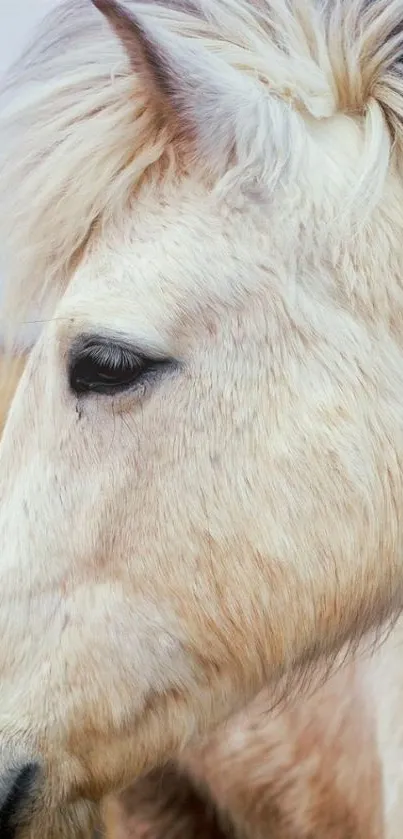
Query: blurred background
[(19, 19)]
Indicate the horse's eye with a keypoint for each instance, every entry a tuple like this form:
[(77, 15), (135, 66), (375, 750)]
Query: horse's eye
[(100, 365)]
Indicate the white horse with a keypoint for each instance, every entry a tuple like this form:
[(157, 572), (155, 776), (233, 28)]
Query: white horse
[(201, 474)]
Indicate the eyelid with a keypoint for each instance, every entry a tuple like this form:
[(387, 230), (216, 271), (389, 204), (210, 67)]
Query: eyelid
[(94, 360), (147, 348), (108, 353), (88, 340)]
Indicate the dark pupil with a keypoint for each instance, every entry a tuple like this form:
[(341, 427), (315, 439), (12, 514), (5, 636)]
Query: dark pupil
[(103, 370)]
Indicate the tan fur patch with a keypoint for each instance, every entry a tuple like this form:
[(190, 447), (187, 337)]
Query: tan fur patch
[(310, 771), (10, 372)]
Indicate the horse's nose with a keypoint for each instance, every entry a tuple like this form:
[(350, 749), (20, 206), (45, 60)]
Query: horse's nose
[(17, 788)]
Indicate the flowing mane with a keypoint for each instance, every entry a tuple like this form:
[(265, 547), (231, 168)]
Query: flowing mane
[(78, 134)]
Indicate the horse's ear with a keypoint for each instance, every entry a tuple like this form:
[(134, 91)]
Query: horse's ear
[(211, 101)]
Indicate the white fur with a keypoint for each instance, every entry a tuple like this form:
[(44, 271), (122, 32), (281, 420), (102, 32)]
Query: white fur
[(167, 553)]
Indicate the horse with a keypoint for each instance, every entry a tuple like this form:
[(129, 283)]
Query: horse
[(327, 765), (200, 473)]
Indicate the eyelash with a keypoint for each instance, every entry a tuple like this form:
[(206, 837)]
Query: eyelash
[(106, 367)]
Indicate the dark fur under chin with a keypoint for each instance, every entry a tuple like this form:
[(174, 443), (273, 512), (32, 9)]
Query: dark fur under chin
[(166, 804)]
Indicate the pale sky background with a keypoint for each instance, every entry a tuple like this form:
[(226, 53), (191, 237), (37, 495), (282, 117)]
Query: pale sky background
[(18, 21)]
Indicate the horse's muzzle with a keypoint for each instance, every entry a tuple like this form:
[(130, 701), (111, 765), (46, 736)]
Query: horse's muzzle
[(17, 791)]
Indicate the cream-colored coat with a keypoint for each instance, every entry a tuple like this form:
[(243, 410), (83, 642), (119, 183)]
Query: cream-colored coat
[(330, 764), (216, 185)]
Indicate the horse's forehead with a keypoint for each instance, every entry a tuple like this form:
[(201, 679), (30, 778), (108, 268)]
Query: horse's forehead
[(160, 262)]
